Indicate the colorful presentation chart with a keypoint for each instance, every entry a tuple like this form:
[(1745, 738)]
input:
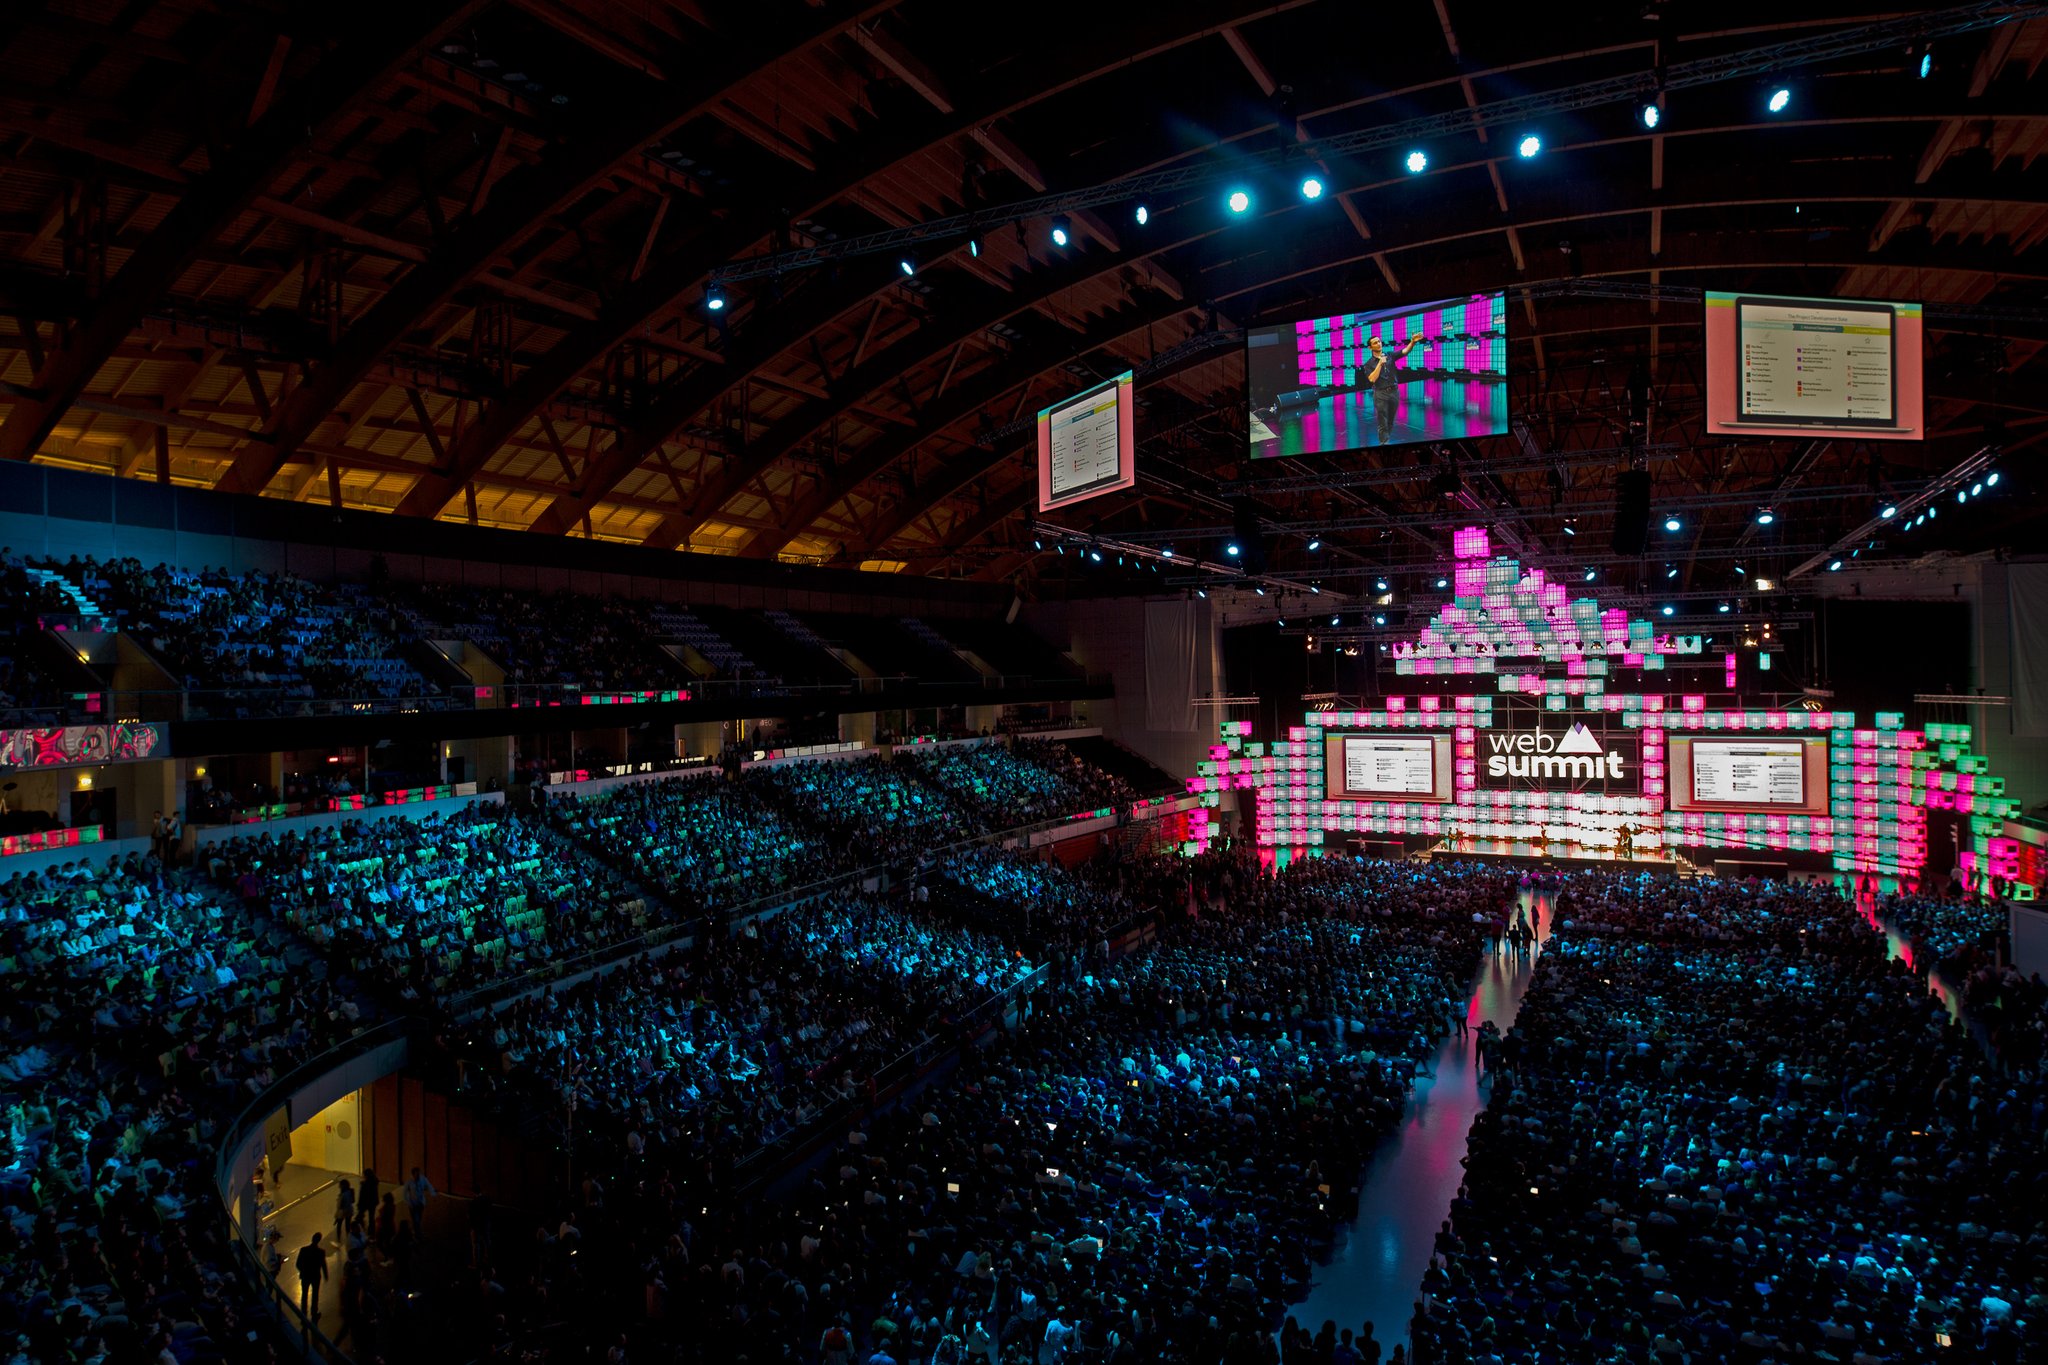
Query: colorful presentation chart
[(1815, 362), (1749, 772), (1375, 764), (1084, 442)]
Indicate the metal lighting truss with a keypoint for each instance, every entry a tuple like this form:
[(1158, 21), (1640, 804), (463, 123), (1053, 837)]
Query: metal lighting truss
[(1969, 470), (1210, 569), (1745, 64)]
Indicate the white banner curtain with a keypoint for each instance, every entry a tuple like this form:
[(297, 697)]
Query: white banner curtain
[(2027, 611), (1170, 667)]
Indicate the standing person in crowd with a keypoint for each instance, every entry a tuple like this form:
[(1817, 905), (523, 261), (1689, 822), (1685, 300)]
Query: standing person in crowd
[(366, 1194), (418, 1190), (312, 1266), (344, 1206)]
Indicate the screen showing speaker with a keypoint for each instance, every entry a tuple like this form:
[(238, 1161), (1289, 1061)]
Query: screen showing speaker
[(1798, 366), (1786, 775), (1354, 381), (1384, 767), (1086, 446)]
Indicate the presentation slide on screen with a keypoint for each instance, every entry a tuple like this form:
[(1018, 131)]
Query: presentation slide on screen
[(1813, 365), (1749, 774), (1085, 445), (1379, 767), (1317, 386)]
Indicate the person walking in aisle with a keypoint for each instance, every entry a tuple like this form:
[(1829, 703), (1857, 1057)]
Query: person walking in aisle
[(418, 1191), (312, 1266)]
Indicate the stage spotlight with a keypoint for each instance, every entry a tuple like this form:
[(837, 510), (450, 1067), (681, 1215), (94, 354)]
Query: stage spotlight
[(1669, 609), (1569, 529), (1379, 620), (1142, 214), (1239, 201), (1780, 99), (1991, 479), (908, 265), (1315, 589), (1673, 525), (1975, 489), (1834, 566), (1962, 495), (1418, 161), (1443, 582), (1650, 114), (1061, 234), (1529, 146), (1202, 593), (1766, 517), (1061, 548), (1166, 554), (1037, 544), (1671, 571), (1315, 544), (1591, 574), (714, 300), (1926, 67), (1261, 590), (1724, 608), (1311, 187), (1379, 585), (1095, 555), (1740, 570), (1232, 550), (1336, 620), (1887, 512)]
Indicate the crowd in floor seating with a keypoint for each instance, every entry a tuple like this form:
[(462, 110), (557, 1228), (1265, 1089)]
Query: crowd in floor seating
[(1960, 932), (1106, 1181), (1727, 1127), (427, 908), (703, 840)]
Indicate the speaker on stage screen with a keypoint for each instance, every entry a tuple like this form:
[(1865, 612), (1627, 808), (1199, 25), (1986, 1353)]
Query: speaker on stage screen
[(1354, 381)]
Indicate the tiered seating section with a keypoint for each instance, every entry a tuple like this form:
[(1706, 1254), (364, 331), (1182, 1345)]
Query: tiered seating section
[(1725, 1127), (251, 643)]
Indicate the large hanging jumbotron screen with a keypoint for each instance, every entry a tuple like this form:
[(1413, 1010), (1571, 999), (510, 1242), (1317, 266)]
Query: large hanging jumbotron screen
[(1440, 373)]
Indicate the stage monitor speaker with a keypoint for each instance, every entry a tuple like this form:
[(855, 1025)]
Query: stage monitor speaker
[(1632, 512)]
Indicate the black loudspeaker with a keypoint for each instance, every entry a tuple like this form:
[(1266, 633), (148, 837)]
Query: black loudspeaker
[(1632, 512)]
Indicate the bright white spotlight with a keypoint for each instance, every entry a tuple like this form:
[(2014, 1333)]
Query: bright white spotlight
[(1060, 233), (1779, 100), (1311, 187), (1887, 512), (1418, 161), (1766, 517), (1975, 489), (714, 300), (1991, 479), (1673, 525), (1239, 201), (1650, 114), (1927, 64), (1669, 609), (1315, 545), (1232, 550), (908, 265), (1591, 574), (1143, 215), (1529, 146)]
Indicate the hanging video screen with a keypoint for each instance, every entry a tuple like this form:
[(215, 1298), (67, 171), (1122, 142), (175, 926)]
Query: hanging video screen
[(1782, 366), (1085, 445), (1354, 381)]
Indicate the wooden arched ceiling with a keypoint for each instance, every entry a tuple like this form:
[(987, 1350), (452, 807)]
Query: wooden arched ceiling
[(449, 259)]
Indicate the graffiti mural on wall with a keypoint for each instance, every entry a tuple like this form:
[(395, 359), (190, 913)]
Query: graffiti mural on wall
[(124, 741)]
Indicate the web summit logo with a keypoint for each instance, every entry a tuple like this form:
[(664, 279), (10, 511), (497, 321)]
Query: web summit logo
[(1533, 753)]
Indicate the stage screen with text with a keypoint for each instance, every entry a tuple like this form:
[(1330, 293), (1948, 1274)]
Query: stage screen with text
[(1382, 767), (1439, 374), (1788, 774), (1085, 445), (1794, 366)]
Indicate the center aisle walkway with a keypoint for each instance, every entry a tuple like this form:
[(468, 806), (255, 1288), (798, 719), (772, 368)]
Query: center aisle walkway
[(1375, 1272)]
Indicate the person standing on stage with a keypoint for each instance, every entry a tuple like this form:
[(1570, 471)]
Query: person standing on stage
[(1385, 387)]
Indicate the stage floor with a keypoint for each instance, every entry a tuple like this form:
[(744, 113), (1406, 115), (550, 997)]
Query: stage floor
[(1429, 410)]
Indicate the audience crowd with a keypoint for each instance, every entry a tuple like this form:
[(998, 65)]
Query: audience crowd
[(1727, 1127)]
